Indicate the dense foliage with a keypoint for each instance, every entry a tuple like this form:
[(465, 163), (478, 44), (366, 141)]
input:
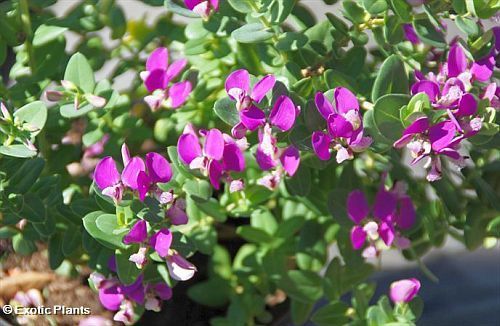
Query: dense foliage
[(250, 132)]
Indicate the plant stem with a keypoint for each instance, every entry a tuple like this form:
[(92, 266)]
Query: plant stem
[(26, 21)]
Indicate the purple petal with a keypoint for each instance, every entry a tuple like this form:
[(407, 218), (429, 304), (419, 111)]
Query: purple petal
[(214, 144), (106, 174), (357, 206), (321, 145), (135, 291), (338, 126), (163, 291), (418, 126), (175, 68), (290, 160), (239, 130), (188, 148), (428, 87), (178, 93), (239, 79), (110, 298), (143, 184), (262, 87), (179, 268), (482, 70), (192, 3), (467, 105), (404, 291), (457, 61), (214, 173), (215, 4), (358, 237), (137, 234), (410, 34), (441, 135), (490, 91), (406, 215), (158, 59), (176, 213), (157, 79), (345, 100), (386, 232), (161, 242), (283, 113), (252, 117), (131, 172), (233, 159), (385, 203), (264, 160), (159, 169), (125, 154), (324, 106)]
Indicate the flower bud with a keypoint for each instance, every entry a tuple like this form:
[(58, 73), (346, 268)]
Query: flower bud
[(404, 291)]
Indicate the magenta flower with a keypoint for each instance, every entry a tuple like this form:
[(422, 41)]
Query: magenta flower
[(425, 141), (238, 89), (204, 8), (392, 211), (344, 127), (158, 77), (404, 291), (111, 182), (220, 155), (410, 34), (158, 171), (179, 268)]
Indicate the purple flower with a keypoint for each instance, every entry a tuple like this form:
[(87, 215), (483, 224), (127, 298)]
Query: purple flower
[(157, 79), (204, 8), (392, 211), (179, 268), (158, 171), (344, 126), (238, 88), (425, 141), (404, 291), (410, 34), (220, 154), (111, 183), (155, 294)]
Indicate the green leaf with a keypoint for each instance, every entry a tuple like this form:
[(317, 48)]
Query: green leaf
[(34, 209), (428, 34), (393, 30), (46, 33), (386, 115), (354, 12), (212, 293), (391, 78), (263, 219), (375, 7), (56, 256), (304, 286), (199, 190), (468, 26), (291, 41), (253, 234), (226, 110), (251, 33), (402, 9), (494, 227), (300, 311), (243, 6), (80, 73), (109, 240), (333, 313), (26, 176), (176, 9), (34, 114), (17, 150), (69, 111), (417, 105), (72, 240), (23, 246), (280, 9), (127, 271), (290, 226), (300, 183)]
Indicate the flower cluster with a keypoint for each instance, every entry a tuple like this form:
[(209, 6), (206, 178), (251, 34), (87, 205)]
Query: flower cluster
[(450, 92), (158, 79), (392, 212), (281, 118), (204, 8), (220, 155), (122, 298), (344, 132)]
